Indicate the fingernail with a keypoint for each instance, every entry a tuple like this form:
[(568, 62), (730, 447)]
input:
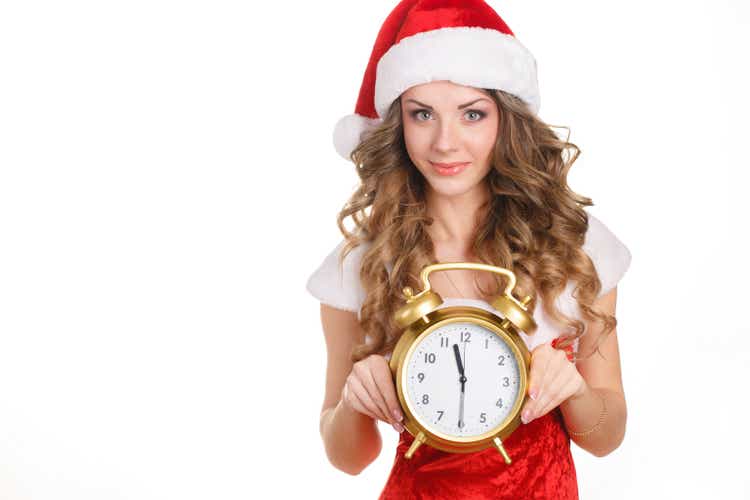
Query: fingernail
[(397, 415), (525, 416), (398, 427), (533, 394)]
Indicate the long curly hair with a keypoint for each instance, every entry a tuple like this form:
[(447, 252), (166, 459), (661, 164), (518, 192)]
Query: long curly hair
[(532, 224)]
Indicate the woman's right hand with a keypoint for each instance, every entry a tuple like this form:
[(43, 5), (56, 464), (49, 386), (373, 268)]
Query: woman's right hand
[(369, 389)]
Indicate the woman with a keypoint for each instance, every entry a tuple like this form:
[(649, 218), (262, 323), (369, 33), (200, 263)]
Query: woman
[(456, 166)]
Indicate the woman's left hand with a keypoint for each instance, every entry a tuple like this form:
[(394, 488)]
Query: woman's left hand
[(553, 379)]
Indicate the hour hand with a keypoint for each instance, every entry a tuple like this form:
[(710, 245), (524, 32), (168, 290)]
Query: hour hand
[(458, 359)]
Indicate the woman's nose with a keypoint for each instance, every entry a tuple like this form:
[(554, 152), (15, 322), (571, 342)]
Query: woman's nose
[(446, 137)]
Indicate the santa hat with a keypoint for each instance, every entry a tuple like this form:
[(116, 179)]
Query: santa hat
[(464, 41)]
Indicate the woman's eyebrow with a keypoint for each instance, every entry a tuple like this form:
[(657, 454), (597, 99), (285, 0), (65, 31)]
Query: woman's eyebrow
[(462, 106)]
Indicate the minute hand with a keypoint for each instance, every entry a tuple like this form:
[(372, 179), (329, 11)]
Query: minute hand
[(461, 379)]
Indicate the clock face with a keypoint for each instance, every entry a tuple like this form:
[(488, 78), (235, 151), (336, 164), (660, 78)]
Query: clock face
[(448, 403)]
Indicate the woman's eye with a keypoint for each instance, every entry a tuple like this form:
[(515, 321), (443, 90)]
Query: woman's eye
[(479, 115), (415, 114)]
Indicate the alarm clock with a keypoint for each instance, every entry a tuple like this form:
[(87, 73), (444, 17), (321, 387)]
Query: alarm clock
[(461, 372)]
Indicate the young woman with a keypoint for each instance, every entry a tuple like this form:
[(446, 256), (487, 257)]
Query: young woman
[(456, 166)]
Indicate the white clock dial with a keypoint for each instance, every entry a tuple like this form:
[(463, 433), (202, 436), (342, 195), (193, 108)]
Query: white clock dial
[(433, 382)]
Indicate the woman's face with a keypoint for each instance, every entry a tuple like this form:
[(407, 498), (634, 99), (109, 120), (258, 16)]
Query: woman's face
[(447, 123)]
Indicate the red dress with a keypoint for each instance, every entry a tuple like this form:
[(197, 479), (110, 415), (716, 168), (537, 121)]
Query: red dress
[(542, 468)]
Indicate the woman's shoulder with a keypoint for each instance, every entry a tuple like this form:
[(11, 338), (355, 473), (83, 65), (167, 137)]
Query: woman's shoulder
[(610, 256), (336, 282)]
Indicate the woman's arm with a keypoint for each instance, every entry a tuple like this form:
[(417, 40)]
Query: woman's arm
[(596, 416), (589, 394), (352, 439)]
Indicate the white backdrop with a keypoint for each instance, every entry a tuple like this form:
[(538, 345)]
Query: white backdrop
[(168, 182)]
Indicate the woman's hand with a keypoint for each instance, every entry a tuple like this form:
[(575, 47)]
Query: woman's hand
[(553, 379), (369, 389)]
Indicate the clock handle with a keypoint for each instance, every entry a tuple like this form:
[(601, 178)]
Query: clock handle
[(426, 301), (474, 266)]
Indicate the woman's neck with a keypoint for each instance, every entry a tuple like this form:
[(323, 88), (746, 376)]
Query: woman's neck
[(455, 218)]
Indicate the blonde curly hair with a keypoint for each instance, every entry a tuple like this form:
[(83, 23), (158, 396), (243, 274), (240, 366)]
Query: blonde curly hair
[(532, 224)]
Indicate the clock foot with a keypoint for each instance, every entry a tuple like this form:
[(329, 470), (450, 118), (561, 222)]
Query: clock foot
[(499, 445), (415, 444)]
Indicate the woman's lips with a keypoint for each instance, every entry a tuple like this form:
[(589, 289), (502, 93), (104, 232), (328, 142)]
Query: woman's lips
[(450, 168)]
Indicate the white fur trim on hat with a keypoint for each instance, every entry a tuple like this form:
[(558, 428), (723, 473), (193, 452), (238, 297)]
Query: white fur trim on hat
[(478, 57), (348, 132)]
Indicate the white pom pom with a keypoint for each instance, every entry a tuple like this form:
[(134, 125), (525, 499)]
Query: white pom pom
[(348, 132)]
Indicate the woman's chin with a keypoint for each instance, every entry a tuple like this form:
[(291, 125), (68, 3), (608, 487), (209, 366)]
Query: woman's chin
[(450, 187)]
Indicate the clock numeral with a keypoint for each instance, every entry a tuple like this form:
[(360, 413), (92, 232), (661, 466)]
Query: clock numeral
[(443, 341), (429, 357), (441, 414), (482, 418), (420, 376), (499, 403), (425, 399), (501, 361), (506, 381), (486, 343), (465, 336)]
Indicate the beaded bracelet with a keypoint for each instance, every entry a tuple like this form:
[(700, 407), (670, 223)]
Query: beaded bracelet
[(602, 416)]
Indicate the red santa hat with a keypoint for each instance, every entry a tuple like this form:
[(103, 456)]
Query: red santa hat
[(463, 41)]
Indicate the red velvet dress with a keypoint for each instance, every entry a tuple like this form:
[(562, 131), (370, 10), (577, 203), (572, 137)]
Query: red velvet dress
[(542, 468)]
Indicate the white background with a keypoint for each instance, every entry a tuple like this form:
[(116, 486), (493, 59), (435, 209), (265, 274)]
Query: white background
[(168, 183)]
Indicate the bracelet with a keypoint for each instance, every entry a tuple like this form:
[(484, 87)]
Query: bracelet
[(602, 416)]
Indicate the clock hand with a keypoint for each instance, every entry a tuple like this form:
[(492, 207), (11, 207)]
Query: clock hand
[(462, 368), (461, 411), (458, 360), (461, 379), (463, 388)]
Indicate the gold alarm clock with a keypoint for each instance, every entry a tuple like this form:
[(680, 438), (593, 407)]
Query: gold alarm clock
[(461, 372)]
